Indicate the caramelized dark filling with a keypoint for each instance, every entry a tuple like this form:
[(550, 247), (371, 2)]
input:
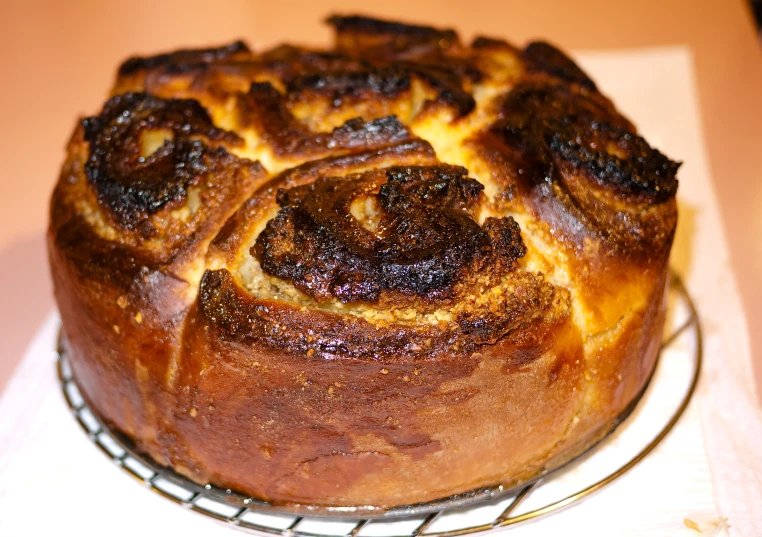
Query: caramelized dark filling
[(134, 186), (426, 243), (555, 130), (263, 107)]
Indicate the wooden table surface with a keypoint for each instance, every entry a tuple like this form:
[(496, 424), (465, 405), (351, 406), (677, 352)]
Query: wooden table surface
[(59, 59)]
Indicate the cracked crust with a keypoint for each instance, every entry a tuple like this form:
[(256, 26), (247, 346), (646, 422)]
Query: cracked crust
[(380, 274)]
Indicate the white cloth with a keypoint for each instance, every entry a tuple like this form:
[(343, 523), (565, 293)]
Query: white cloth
[(707, 473)]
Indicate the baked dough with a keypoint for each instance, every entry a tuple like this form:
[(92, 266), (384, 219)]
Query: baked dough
[(382, 274)]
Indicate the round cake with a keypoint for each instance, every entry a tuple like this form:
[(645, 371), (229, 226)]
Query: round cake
[(386, 273)]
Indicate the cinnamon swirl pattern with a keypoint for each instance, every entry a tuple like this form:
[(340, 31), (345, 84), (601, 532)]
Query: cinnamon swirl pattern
[(380, 274)]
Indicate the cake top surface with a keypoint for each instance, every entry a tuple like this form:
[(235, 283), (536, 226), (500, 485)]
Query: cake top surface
[(401, 177)]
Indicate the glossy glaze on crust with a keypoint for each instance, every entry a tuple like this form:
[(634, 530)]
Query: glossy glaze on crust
[(380, 274)]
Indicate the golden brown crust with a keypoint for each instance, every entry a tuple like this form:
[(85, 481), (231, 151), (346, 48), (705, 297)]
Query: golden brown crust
[(377, 275)]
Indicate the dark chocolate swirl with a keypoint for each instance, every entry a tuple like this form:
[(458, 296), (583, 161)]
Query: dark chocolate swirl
[(425, 243), (134, 186), (556, 131), (263, 108)]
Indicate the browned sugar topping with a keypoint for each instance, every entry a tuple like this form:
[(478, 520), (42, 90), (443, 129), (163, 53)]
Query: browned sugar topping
[(170, 162), (134, 186), (263, 108), (555, 130), (425, 243)]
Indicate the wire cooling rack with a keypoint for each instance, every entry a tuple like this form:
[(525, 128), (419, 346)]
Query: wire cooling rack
[(474, 512)]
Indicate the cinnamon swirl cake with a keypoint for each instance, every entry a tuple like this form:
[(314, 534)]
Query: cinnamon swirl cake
[(380, 274)]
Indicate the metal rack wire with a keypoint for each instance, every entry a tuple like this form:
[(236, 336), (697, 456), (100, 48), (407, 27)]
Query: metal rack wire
[(260, 517)]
